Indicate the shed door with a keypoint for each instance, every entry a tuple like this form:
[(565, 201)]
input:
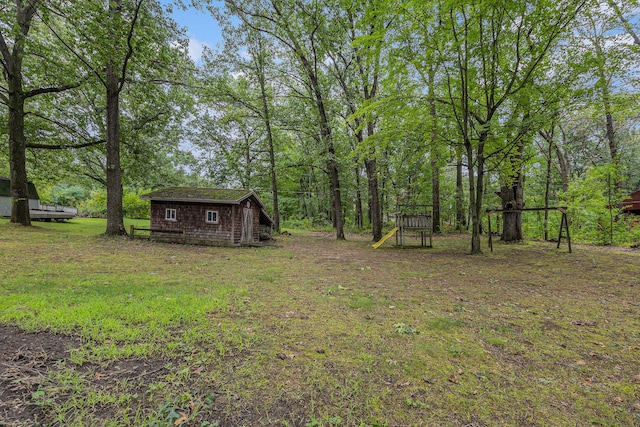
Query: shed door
[(247, 224)]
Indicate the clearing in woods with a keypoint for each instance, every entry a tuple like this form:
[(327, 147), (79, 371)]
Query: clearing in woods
[(315, 332)]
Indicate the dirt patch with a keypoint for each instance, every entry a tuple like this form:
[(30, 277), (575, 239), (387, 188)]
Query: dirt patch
[(25, 359)]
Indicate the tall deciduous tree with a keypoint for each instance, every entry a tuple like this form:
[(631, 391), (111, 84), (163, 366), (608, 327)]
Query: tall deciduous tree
[(297, 25), (356, 44), (18, 20), (118, 43), (491, 53)]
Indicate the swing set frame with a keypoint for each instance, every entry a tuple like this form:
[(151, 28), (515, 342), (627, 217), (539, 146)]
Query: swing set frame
[(564, 222)]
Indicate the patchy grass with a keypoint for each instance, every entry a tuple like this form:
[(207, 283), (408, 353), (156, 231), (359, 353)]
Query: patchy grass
[(315, 332)]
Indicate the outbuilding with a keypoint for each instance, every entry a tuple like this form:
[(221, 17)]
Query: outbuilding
[(632, 204), (37, 211), (208, 216), (5, 196)]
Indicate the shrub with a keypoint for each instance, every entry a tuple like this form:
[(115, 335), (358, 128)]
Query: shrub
[(134, 207), (65, 195), (94, 206)]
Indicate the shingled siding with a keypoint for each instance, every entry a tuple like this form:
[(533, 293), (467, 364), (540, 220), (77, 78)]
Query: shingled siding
[(191, 217)]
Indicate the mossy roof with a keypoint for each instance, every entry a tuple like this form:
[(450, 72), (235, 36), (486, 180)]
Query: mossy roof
[(217, 195)]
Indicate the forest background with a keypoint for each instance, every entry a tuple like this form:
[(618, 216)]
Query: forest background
[(335, 112)]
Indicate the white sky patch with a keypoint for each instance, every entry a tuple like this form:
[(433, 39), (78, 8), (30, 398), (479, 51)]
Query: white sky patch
[(196, 48)]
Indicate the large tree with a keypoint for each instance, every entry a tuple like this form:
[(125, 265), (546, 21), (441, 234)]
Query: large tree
[(490, 53), (297, 26), (124, 42), (356, 44), (17, 41)]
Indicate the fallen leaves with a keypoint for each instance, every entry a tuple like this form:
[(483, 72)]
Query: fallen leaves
[(184, 417), (453, 378), (284, 356)]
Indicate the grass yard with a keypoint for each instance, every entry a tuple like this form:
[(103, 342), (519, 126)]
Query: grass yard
[(313, 332)]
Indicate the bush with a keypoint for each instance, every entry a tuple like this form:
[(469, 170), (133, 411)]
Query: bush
[(64, 195), (593, 212), (94, 206), (134, 207)]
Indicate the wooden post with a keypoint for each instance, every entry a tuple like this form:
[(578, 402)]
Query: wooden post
[(566, 221), (132, 230), (184, 235)]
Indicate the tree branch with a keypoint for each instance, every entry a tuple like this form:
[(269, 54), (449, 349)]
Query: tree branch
[(129, 45), (76, 54), (625, 22), (65, 146), (43, 90), (7, 61)]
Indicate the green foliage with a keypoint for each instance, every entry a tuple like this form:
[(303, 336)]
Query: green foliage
[(65, 195), (95, 205), (406, 84), (593, 207), (405, 329), (134, 207)]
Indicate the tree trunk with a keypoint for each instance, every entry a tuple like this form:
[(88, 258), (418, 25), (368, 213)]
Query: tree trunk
[(511, 195), (17, 153), (359, 220), (435, 192), (374, 198), (12, 61), (336, 196), (272, 159), (564, 169), (603, 85), (461, 217), (547, 190), (476, 190), (435, 167), (115, 222), (512, 203), (274, 185), (332, 163)]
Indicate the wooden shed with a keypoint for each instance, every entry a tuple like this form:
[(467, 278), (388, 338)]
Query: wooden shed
[(632, 204), (208, 216)]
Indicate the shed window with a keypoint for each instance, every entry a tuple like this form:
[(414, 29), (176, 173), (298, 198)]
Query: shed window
[(170, 215), (212, 216)]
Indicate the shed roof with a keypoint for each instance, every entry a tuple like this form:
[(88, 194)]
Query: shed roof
[(193, 194)]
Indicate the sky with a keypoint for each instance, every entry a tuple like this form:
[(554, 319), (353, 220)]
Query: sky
[(201, 29)]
